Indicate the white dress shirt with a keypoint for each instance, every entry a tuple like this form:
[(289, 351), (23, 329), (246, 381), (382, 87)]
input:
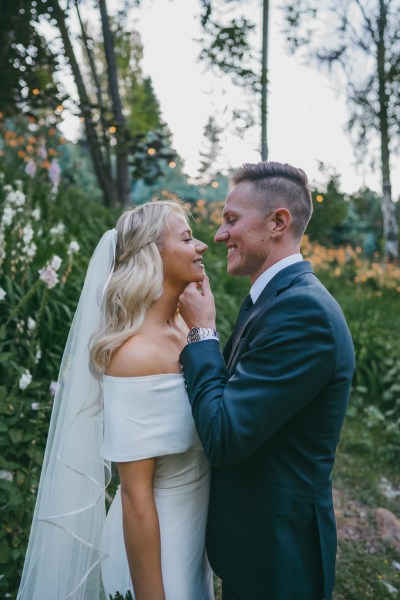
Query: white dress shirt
[(266, 277)]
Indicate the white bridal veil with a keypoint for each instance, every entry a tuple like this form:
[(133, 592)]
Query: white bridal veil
[(63, 556)]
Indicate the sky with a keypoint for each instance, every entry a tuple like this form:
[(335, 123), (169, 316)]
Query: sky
[(307, 110)]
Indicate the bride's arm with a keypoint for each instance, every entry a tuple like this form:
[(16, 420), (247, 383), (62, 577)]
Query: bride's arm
[(141, 528)]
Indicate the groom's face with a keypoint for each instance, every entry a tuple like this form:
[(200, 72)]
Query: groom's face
[(245, 232)]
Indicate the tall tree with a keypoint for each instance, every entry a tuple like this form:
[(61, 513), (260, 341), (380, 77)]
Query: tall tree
[(227, 47), (209, 155), (264, 80), (102, 168), (122, 179), (147, 137), (361, 38)]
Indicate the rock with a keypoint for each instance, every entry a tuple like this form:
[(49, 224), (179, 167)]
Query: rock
[(388, 526), (387, 489), (396, 565), (390, 588)]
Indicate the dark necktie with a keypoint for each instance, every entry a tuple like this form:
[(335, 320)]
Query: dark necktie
[(247, 305)]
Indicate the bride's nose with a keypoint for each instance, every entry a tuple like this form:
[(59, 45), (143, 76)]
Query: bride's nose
[(201, 247)]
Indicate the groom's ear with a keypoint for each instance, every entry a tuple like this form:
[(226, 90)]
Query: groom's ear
[(279, 222)]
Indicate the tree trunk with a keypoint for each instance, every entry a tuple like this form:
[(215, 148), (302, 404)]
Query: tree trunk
[(97, 87), (264, 82), (123, 179), (103, 174), (390, 226)]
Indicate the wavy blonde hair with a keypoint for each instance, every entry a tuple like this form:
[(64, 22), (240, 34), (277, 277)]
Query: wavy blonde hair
[(137, 279)]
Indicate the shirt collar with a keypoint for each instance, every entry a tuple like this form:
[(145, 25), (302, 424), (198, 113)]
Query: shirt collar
[(265, 277)]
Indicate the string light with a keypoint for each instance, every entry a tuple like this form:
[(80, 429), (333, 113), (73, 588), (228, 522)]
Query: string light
[(112, 129), (215, 184), (172, 164), (35, 91), (319, 198), (151, 151)]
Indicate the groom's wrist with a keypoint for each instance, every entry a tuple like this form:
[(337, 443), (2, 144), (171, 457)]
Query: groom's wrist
[(198, 334)]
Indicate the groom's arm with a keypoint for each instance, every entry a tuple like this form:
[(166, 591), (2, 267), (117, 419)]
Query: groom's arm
[(286, 361)]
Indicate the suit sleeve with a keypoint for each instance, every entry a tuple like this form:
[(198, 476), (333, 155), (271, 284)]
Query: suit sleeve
[(286, 361)]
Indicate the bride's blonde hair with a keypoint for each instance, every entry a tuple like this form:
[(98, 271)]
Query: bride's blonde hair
[(137, 279)]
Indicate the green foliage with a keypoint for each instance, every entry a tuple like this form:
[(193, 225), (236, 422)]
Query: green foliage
[(363, 225), (26, 62), (38, 231), (329, 211), (364, 562), (374, 322), (361, 574), (118, 596)]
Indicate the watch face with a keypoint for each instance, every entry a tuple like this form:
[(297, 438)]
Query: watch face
[(194, 335)]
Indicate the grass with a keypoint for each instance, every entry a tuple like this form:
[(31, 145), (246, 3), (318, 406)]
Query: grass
[(365, 562)]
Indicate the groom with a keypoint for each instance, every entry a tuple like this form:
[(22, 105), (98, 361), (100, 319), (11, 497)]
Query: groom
[(269, 410)]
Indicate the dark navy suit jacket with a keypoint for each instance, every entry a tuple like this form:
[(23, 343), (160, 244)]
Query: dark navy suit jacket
[(269, 415)]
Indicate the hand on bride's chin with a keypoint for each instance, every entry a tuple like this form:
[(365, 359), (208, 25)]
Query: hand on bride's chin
[(196, 305)]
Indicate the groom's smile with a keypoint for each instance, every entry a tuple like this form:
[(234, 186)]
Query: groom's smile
[(244, 230)]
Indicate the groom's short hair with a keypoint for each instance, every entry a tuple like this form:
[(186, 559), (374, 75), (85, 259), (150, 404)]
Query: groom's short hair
[(279, 185)]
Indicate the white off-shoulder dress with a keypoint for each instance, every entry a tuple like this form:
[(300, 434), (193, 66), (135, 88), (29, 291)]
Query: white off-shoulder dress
[(151, 417)]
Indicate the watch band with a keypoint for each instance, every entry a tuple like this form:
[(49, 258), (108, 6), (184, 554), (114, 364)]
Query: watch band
[(197, 334)]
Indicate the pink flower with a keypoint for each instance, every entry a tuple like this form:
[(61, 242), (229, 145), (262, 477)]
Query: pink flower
[(53, 387), (49, 276), (55, 174), (30, 168)]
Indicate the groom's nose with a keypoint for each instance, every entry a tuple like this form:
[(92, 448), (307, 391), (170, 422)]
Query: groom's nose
[(222, 234)]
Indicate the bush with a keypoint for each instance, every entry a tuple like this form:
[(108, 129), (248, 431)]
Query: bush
[(42, 267)]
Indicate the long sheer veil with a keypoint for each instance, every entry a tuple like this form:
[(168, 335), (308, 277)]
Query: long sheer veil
[(63, 556)]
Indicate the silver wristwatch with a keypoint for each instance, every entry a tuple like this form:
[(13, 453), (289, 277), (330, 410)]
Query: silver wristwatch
[(197, 334)]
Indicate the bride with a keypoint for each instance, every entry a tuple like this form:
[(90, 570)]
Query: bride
[(121, 398)]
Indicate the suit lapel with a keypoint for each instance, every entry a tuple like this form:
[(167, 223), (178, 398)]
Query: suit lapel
[(276, 286)]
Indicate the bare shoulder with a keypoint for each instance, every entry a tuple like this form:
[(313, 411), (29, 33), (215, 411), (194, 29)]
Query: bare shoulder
[(141, 355)]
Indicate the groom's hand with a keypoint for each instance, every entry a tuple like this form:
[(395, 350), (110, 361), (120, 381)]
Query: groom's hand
[(196, 305)]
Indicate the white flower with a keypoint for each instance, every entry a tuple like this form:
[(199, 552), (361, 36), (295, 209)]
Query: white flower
[(30, 168), (7, 188), (27, 233), (17, 198), (25, 380), (49, 276), (7, 475), (73, 247), (35, 405), (1, 176), (30, 250), (38, 355), (3, 294), (57, 229), (55, 174), (36, 214), (8, 215), (56, 262), (20, 326), (19, 183), (53, 387), (31, 324)]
